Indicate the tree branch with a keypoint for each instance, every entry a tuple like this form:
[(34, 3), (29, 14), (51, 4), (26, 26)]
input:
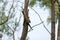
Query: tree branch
[(41, 20)]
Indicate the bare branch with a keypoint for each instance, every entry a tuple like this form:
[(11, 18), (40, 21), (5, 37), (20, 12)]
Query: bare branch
[(41, 20)]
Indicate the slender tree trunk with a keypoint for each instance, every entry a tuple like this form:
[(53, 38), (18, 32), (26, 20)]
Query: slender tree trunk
[(58, 38), (26, 21), (52, 20), (13, 36), (25, 31)]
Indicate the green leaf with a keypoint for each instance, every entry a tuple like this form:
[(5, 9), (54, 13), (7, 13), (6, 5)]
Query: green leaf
[(32, 3)]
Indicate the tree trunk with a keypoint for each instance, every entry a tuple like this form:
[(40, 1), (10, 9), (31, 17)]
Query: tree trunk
[(52, 20), (58, 38), (25, 31), (13, 35), (26, 21)]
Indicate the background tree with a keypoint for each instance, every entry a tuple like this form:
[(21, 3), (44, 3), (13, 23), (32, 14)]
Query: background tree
[(8, 21), (58, 38)]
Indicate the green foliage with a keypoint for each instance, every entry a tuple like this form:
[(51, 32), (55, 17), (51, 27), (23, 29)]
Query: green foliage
[(46, 2), (11, 24), (1, 28), (42, 3), (5, 28), (0, 0), (33, 2), (4, 17), (49, 20)]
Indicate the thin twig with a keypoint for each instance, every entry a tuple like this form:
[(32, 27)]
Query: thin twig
[(41, 20), (34, 26)]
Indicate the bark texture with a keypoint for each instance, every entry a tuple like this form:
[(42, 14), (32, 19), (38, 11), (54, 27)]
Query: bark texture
[(52, 20), (26, 20)]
